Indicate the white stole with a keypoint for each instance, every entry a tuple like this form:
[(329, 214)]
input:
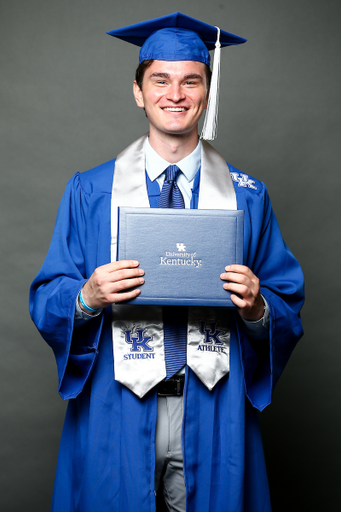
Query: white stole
[(139, 361)]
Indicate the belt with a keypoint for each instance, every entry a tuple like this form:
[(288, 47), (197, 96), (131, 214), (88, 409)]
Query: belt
[(171, 387)]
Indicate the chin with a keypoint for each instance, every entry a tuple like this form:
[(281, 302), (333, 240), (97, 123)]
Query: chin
[(178, 129)]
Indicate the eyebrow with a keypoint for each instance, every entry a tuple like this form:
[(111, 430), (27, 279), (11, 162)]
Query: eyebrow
[(159, 75), (167, 75), (193, 75)]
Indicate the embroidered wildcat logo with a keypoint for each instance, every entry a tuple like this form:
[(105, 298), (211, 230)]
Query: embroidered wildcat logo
[(211, 333), (211, 342), (138, 341), (243, 180)]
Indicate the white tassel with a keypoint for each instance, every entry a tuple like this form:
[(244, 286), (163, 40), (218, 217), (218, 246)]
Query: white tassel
[(210, 127)]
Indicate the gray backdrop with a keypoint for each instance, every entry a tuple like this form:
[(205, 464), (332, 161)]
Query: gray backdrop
[(67, 105)]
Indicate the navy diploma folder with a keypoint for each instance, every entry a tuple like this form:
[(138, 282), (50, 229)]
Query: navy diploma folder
[(182, 251)]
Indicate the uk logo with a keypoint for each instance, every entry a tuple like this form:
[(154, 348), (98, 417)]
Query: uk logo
[(243, 180), (181, 247), (211, 333), (138, 340), (211, 342)]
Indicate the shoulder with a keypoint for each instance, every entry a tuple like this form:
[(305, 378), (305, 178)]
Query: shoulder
[(246, 183), (252, 195), (97, 180)]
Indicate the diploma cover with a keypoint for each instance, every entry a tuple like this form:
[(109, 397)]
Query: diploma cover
[(182, 251)]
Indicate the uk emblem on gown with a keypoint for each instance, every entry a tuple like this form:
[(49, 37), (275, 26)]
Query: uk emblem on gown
[(138, 340), (208, 344), (243, 180), (139, 358)]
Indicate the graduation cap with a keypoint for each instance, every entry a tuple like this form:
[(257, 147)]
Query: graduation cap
[(177, 37)]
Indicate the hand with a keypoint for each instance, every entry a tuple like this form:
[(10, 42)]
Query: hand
[(108, 284), (243, 281)]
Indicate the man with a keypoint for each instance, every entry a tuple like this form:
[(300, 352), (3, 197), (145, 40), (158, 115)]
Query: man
[(126, 437)]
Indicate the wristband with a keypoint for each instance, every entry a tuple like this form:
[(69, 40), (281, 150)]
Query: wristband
[(85, 306)]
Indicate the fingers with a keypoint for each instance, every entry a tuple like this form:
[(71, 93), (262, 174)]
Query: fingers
[(244, 287), (119, 265), (241, 289), (239, 302), (240, 279), (237, 273), (117, 276), (122, 296), (112, 283)]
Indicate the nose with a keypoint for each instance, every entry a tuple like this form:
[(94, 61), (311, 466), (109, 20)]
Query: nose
[(175, 93)]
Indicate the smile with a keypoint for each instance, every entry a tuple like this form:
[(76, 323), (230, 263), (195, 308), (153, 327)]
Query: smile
[(174, 109)]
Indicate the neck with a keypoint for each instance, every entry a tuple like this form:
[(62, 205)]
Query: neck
[(173, 148)]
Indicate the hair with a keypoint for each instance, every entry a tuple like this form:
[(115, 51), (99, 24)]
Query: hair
[(141, 69)]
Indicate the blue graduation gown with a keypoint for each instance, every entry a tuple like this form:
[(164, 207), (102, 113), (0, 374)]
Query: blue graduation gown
[(106, 458)]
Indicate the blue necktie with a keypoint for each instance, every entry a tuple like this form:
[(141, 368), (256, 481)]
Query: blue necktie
[(171, 196), (174, 318)]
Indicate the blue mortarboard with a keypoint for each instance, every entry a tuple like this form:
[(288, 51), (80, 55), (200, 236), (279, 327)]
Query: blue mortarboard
[(177, 37)]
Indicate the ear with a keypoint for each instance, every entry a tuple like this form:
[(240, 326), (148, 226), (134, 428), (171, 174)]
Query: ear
[(138, 95)]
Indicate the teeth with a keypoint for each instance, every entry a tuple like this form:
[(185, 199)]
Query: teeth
[(174, 109)]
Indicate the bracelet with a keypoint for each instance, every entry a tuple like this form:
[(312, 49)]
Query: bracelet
[(85, 306)]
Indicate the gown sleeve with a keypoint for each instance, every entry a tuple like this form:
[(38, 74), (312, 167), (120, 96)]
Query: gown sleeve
[(54, 291), (282, 285)]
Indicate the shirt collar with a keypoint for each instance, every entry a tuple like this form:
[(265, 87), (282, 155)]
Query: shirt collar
[(156, 165)]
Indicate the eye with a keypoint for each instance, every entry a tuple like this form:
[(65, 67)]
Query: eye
[(191, 83)]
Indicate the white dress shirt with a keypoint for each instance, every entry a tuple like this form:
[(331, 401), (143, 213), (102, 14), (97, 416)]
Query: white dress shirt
[(156, 166)]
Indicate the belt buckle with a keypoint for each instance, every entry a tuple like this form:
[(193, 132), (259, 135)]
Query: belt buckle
[(177, 387)]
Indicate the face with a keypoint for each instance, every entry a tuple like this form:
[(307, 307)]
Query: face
[(174, 95)]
